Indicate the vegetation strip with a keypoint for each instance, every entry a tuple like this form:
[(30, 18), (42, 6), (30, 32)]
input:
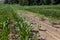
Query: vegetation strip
[(49, 11)]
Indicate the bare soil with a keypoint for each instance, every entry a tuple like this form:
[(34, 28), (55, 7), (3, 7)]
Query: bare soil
[(12, 35)]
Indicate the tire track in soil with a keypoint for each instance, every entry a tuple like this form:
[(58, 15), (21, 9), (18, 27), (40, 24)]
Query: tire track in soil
[(51, 33)]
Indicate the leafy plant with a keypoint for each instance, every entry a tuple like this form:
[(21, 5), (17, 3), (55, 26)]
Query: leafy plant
[(23, 29)]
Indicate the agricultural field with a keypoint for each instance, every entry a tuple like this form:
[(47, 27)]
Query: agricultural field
[(11, 25), (29, 22)]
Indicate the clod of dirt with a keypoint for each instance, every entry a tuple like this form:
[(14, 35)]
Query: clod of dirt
[(42, 29), (41, 39), (33, 23), (35, 31), (43, 19), (55, 23), (56, 26)]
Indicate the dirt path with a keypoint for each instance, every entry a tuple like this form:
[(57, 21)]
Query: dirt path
[(46, 31), (12, 35)]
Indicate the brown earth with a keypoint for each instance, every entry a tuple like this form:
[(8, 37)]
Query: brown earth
[(12, 35)]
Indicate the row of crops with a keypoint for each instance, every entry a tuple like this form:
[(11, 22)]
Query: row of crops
[(21, 27), (4, 21), (47, 10), (50, 11)]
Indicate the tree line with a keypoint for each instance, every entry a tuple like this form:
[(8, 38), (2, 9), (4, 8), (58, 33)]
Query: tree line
[(33, 2)]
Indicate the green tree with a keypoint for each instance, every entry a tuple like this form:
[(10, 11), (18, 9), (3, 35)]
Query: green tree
[(52, 1)]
